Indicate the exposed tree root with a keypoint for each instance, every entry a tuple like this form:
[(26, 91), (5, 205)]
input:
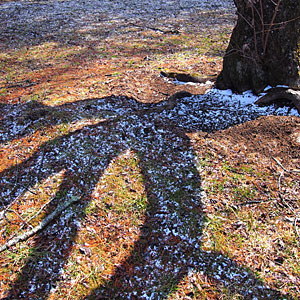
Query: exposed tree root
[(187, 77), (278, 95)]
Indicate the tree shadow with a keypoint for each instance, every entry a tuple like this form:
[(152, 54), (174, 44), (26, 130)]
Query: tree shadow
[(21, 120), (169, 245)]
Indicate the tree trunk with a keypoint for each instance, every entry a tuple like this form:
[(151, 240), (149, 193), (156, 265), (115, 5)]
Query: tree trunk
[(264, 46)]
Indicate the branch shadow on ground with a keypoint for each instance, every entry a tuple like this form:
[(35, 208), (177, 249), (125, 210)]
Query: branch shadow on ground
[(169, 245)]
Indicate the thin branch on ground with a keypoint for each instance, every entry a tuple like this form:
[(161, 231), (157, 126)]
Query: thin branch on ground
[(283, 168), (32, 217), (295, 225), (250, 202), (25, 236), (18, 215), (285, 203), (155, 29)]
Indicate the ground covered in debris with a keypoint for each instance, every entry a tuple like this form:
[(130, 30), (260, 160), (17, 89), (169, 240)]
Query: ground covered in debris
[(194, 200)]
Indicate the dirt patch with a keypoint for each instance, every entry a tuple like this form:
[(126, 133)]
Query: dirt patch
[(266, 136)]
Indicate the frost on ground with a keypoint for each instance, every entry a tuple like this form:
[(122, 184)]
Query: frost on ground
[(169, 243), (220, 109), (20, 20)]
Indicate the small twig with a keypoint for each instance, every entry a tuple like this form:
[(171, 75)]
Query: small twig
[(285, 22), (155, 29), (28, 190), (3, 212), (281, 196), (296, 226), (235, 50), (40, 210), (39, 227), (32, 217), (283, 168), (279, 187), (244, 19), (252, 202), (24, 221)]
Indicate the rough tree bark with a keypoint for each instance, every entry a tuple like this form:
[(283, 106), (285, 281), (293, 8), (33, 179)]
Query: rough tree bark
[(264, 46)]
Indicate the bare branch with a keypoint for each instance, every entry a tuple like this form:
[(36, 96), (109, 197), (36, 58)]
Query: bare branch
[(283, 168), (39, 227)]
